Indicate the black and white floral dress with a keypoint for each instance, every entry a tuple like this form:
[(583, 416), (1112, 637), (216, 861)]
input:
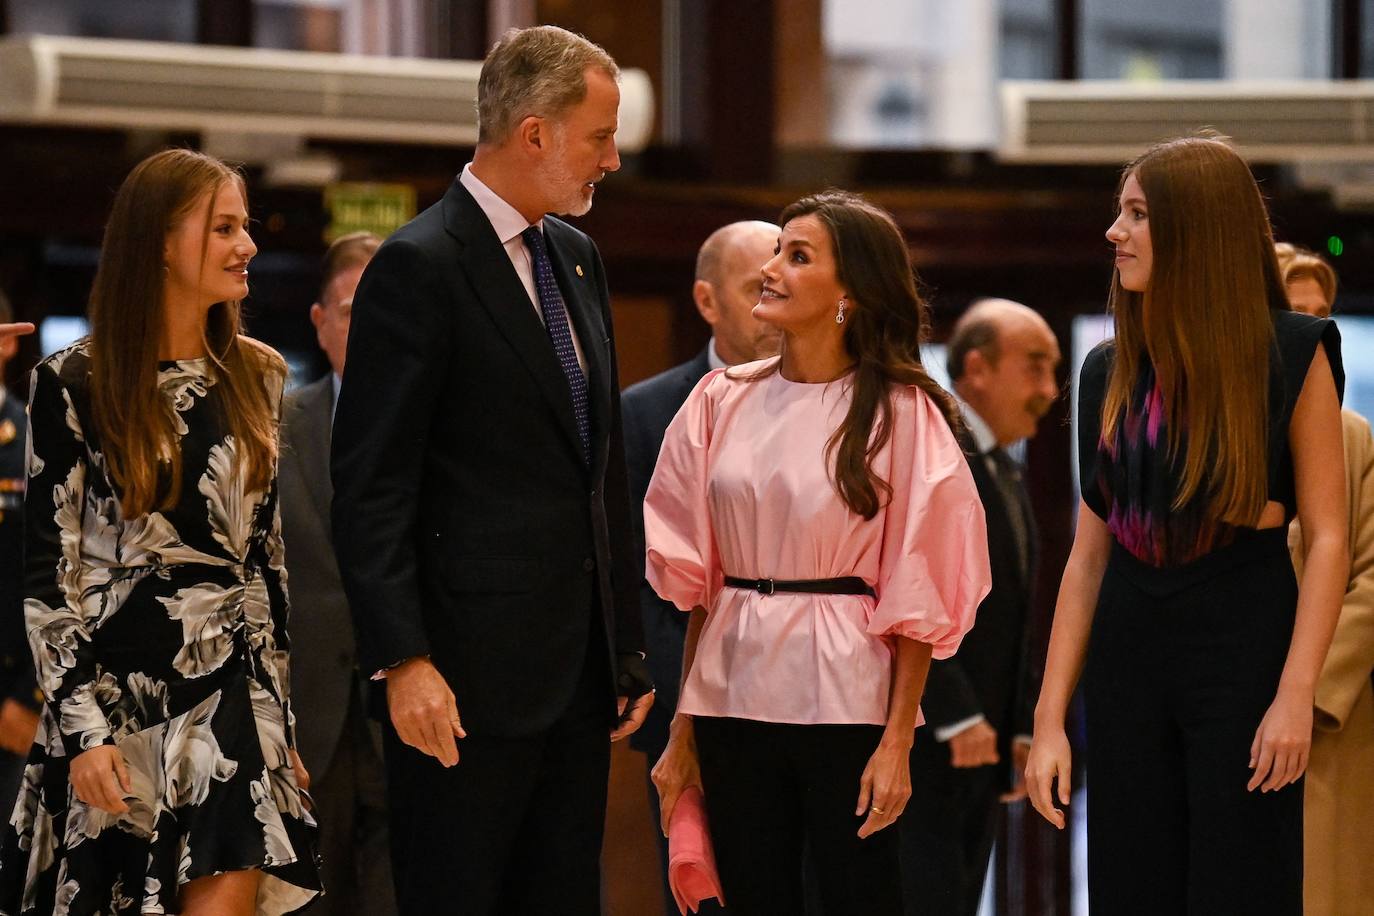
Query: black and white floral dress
[(163, 634)]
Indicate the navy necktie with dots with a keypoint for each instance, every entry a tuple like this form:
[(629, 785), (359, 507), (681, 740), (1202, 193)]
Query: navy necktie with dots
[(555, 314)]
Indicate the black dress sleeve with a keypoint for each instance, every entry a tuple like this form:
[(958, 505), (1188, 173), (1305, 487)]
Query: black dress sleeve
[(59, 629), (1092, 385), (1296, 339)]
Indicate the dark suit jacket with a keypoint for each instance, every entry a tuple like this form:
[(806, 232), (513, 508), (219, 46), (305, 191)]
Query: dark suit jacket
[(648, 408), (323, 654), (990, 674), (467, 525)]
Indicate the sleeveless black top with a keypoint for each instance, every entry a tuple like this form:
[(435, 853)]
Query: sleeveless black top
[(1130, 483)]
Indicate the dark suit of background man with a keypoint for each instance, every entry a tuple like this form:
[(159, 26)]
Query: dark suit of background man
[(1002, 361), (20, 703), (728, 285), (341, 746), (481, 512)]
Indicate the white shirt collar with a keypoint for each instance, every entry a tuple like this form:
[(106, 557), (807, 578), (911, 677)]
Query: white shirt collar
[(712, 357), (983, 439), (504, 218)]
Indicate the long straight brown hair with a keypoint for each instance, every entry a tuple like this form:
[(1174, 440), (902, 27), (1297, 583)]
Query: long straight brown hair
[(883, 333), (1203, 322), (134, 422)]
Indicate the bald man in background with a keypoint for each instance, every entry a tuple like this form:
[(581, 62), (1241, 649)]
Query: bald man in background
[(978, 705), (727, 287)]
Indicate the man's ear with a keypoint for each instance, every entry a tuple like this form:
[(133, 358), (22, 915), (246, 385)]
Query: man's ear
[(704, 295), (532, 133), (976, 367)]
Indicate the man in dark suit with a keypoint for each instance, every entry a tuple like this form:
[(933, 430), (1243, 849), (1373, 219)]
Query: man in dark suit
[(727, 287), (481, 512), (341, 746), (978, 704), (21, 698)]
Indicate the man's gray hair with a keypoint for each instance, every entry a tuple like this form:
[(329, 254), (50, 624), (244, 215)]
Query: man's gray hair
[(539, 71)]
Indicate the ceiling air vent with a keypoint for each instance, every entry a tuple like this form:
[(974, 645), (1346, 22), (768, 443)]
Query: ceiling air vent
[(140, 84), (1110, 121)]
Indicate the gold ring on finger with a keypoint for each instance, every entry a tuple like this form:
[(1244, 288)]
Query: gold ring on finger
[(875, 809)]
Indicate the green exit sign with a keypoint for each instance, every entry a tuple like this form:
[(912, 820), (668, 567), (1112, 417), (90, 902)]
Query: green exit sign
[(367, 207)]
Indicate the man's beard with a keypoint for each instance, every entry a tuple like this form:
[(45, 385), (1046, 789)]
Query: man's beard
[(559, 186)]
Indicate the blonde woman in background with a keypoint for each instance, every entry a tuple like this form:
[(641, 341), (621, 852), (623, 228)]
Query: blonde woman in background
[(1338, 842)]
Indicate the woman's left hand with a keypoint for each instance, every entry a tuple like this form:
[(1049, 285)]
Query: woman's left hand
[(884, 787), (302, 774), (1279, 753)]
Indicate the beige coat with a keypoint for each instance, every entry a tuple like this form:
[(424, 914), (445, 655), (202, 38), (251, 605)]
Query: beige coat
[(1339, 800)]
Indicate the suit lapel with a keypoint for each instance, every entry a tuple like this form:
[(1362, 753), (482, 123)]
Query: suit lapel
[(501, 293), (996, 509), (310, 438)]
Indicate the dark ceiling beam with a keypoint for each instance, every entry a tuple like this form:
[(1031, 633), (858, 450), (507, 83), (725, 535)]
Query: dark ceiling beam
[(225, 22), (1068, 58)]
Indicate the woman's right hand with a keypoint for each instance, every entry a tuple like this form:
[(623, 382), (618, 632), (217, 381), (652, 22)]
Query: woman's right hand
[(1050, 760), (101, 779), (676, 771)]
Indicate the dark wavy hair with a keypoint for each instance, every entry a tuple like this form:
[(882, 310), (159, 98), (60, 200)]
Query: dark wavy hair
[(883, 334)]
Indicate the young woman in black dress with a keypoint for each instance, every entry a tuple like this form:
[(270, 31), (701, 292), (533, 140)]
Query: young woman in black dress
[(163, 777), (1204, 427)]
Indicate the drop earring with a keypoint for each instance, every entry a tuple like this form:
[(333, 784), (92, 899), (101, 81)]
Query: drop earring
[(839, 316)]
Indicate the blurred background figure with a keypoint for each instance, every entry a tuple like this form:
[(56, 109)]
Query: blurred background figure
[(727, 287), (339, 743), (1338, 816), (978, 704), (21, 698)]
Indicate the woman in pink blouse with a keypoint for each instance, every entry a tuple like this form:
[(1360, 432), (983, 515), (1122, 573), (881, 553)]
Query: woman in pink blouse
[(815, 515)]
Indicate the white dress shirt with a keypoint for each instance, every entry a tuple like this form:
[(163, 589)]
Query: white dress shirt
[(508, 223), (712, 357)]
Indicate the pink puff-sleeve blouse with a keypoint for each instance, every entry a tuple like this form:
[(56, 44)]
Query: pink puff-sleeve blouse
[(743, 487)]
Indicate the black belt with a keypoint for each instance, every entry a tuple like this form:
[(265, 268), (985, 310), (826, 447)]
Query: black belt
[(844, 585)]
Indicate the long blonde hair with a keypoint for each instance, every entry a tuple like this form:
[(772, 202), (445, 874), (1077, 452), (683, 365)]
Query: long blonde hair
[(1203, 322), (133, 421)]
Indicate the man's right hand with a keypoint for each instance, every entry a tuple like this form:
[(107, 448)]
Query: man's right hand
[(975, 746), (423, 710)]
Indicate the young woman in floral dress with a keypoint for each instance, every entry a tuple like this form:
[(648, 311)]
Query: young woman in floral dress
[(163, 776)]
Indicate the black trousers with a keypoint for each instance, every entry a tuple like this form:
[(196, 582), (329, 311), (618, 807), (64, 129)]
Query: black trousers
[(515, 828), (947, 830), (350, 805), (773, 791), (1182, 666)]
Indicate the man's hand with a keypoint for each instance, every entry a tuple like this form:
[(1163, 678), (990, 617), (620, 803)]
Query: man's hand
[(18, 724), (1020, 756), (975, 746), (16, 329), (629, 721), (423, 710)]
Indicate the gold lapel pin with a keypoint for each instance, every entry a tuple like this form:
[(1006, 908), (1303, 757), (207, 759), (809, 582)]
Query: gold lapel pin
[(579, 270)]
